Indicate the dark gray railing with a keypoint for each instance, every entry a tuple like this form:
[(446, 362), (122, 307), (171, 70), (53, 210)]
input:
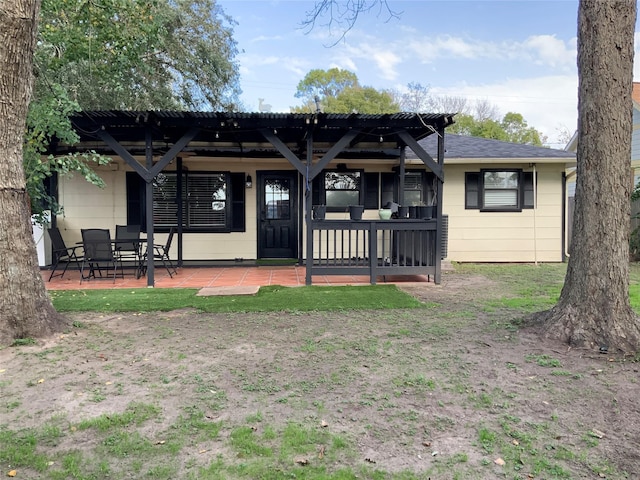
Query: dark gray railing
[(374, 248)]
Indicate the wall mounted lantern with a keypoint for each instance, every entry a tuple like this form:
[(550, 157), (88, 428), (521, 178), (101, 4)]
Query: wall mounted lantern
[(248, 183)]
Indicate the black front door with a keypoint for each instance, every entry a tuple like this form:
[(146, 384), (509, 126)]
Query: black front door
[(277, 214)]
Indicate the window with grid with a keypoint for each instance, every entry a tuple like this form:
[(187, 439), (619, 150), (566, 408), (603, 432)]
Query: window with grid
[(413, 189), (342, 189), (500, 190)]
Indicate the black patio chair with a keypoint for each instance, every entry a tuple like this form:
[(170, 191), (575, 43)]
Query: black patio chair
[(99, 254), (161, 253), (128, 250), (62, 253)]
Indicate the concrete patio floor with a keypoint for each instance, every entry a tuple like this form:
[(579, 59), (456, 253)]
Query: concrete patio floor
[(211, 277)]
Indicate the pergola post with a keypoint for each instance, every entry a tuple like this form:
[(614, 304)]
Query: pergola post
[(308, 200)]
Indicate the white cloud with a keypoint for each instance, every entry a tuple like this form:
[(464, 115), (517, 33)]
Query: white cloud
[(344, 63), (544, 50), (384, 58), (549, 50), (265, 38)]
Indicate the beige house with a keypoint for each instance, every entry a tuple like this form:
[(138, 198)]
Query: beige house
[(505, 202), (248, 183)]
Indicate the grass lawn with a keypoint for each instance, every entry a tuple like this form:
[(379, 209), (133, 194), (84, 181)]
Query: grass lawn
[(268, 299), (319, 383)]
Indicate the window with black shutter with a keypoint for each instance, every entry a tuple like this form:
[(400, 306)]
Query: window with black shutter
[(499, 190), (211, 201)]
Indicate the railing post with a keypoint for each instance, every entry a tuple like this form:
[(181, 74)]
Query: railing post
[(373, 252)]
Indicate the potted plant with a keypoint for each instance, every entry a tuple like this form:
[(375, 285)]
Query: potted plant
[(319, 212), (356, 211)]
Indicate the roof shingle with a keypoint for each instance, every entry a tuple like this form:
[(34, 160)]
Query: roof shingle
[(462, 146)]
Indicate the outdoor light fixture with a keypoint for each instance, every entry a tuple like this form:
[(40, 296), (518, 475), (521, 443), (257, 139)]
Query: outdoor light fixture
[(248, 183)]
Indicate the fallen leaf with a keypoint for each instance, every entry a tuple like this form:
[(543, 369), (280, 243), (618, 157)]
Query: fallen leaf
[(499, 461), (2, 370), (324, 424), (203, 451), (321, 452), (596, 433), (426, 444), (515, 442), (108, 383), (301, 461), (160, 442), (12, 473), (41, 380)]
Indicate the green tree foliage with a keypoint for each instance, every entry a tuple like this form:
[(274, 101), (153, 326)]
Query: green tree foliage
[(322, 84), (512, 128), (122, 54), (48, 119), (361, 100), (339, 91), (138, 54)]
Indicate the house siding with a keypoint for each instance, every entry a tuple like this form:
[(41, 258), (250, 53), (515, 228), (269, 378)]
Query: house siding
[(87, 206), (635, 139), (476, 236)]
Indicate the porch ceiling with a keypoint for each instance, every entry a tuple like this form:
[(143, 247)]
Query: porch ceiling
[(224, 134)]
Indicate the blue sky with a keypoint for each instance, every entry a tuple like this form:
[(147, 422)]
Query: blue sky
[(518, 55)]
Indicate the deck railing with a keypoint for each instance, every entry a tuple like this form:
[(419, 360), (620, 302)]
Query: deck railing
[(374, 247)]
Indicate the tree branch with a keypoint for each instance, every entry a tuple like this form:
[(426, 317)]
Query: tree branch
[(343, 14)]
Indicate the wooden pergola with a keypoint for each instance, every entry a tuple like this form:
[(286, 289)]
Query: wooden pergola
[(308, 141)]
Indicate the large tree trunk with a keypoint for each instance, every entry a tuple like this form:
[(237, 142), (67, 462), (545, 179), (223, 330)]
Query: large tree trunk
[(25, 307), (594, 310)]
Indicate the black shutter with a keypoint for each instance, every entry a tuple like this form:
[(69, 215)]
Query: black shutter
[(237, 202), (527, 190), (317, 190), (136, 194), (471, 190), (371, 190), (388, 194)]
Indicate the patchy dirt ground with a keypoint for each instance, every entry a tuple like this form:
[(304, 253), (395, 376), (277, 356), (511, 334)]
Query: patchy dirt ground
[(450, 391)]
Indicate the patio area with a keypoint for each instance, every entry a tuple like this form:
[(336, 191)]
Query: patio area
[(212, 277)]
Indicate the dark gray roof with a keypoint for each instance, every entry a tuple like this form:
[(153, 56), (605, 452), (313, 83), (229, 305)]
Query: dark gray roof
[(462, 146)]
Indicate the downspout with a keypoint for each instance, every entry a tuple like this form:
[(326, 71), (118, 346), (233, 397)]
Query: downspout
[(535, 208)]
